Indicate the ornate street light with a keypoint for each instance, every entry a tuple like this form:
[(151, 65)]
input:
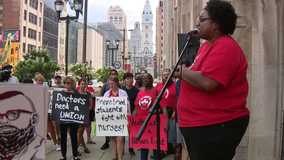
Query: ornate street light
[(58, 5), (112, 48)]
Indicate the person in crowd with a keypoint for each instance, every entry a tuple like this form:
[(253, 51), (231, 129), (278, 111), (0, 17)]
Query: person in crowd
[(39, 81), (170, 97), (28, 81), (57, 81), (139, 82), (148, 95), (82, 83), (69, 84), (92, 112), (104, 89), (143, 72), (132, 94), (117, 143), (58, 86), (7, 77), (212, 113), (180, 140)]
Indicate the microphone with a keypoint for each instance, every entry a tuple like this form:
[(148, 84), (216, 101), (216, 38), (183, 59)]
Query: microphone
[(194, 31)]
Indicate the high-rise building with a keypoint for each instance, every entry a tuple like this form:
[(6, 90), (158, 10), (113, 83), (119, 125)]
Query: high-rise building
[(21, 23), (135, 47), (50, 30), (147, 38), (117, 17)]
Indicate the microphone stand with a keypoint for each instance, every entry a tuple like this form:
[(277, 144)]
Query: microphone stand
[(156, 106)]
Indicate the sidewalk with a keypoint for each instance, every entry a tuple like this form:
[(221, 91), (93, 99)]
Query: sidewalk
[(96, 152)]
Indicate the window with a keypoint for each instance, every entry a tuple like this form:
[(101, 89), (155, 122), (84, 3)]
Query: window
[(111, 19), (33, 18), (1, 14), (25, 14), (0, 29), (120, 19), (39, 21), (32, 34), (24, 31), (33, 3), (39, 36), (40, 9), (61, 41), (146, 35), (1, 1), (26, 1), (24, 47), (31, 47), (115, 19)]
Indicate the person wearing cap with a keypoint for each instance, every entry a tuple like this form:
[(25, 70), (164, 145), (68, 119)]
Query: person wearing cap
[(7, 70), (57, 81)]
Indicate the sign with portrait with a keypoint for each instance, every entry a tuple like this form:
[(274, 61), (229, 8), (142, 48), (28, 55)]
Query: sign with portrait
[(111, 116), (70, 107), (148, 139), (23, 110)]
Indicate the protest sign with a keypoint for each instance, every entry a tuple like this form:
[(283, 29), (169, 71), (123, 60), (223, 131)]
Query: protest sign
[(70, 107), (149, 138), (111, 116)]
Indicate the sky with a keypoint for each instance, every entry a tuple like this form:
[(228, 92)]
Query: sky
[(133, 9)]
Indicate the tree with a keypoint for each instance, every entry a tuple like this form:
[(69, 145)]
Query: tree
[(102, 74), (36, 61), (81, 70)]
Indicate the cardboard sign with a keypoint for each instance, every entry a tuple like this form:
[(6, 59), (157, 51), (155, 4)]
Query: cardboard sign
[(149, 138), (23, 108), (70, 107), (111, 116)]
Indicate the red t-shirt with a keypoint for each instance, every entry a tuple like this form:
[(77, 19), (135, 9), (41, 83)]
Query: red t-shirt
[(91, 90), (112, 95), (145, 100), (225, 62), (169, 94)]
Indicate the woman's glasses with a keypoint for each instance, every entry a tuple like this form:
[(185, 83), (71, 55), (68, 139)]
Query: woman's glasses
[(66, 82), (198, 20)]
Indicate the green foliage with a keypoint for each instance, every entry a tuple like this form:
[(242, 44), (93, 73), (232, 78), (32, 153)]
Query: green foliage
[(36, 61), (81, 70), (102, 74)]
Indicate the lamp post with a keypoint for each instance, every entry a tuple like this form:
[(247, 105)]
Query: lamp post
[(58, 4), (123, 58), (112, 48)]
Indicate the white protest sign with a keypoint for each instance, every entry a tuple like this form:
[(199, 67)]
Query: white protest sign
[(111, 116)]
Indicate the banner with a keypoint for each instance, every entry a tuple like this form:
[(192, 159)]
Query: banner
[(70, 107), (111, 116), (149, 138)]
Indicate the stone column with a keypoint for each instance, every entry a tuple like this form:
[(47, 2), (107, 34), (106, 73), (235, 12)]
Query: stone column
[(266, 80)]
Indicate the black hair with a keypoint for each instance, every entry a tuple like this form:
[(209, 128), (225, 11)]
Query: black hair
[(145, 71), (82, 80), (113, 70), (27, 80), (185, 62), (126, 75), (223, 13)]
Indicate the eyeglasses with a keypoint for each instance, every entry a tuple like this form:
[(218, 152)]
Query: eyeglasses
[(12, 115), (198, 20), (67, 83)]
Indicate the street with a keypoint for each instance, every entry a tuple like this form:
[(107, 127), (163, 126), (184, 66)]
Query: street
[(96, 152)]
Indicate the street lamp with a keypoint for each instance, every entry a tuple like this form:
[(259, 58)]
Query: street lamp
[(123, 58), (112, 48), (58, 5)]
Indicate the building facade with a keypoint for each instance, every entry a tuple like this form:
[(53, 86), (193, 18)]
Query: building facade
[(50, 30), (159, 37), (94, 48), (21, 22), (135, 47), (260, 30), (117, 17)]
